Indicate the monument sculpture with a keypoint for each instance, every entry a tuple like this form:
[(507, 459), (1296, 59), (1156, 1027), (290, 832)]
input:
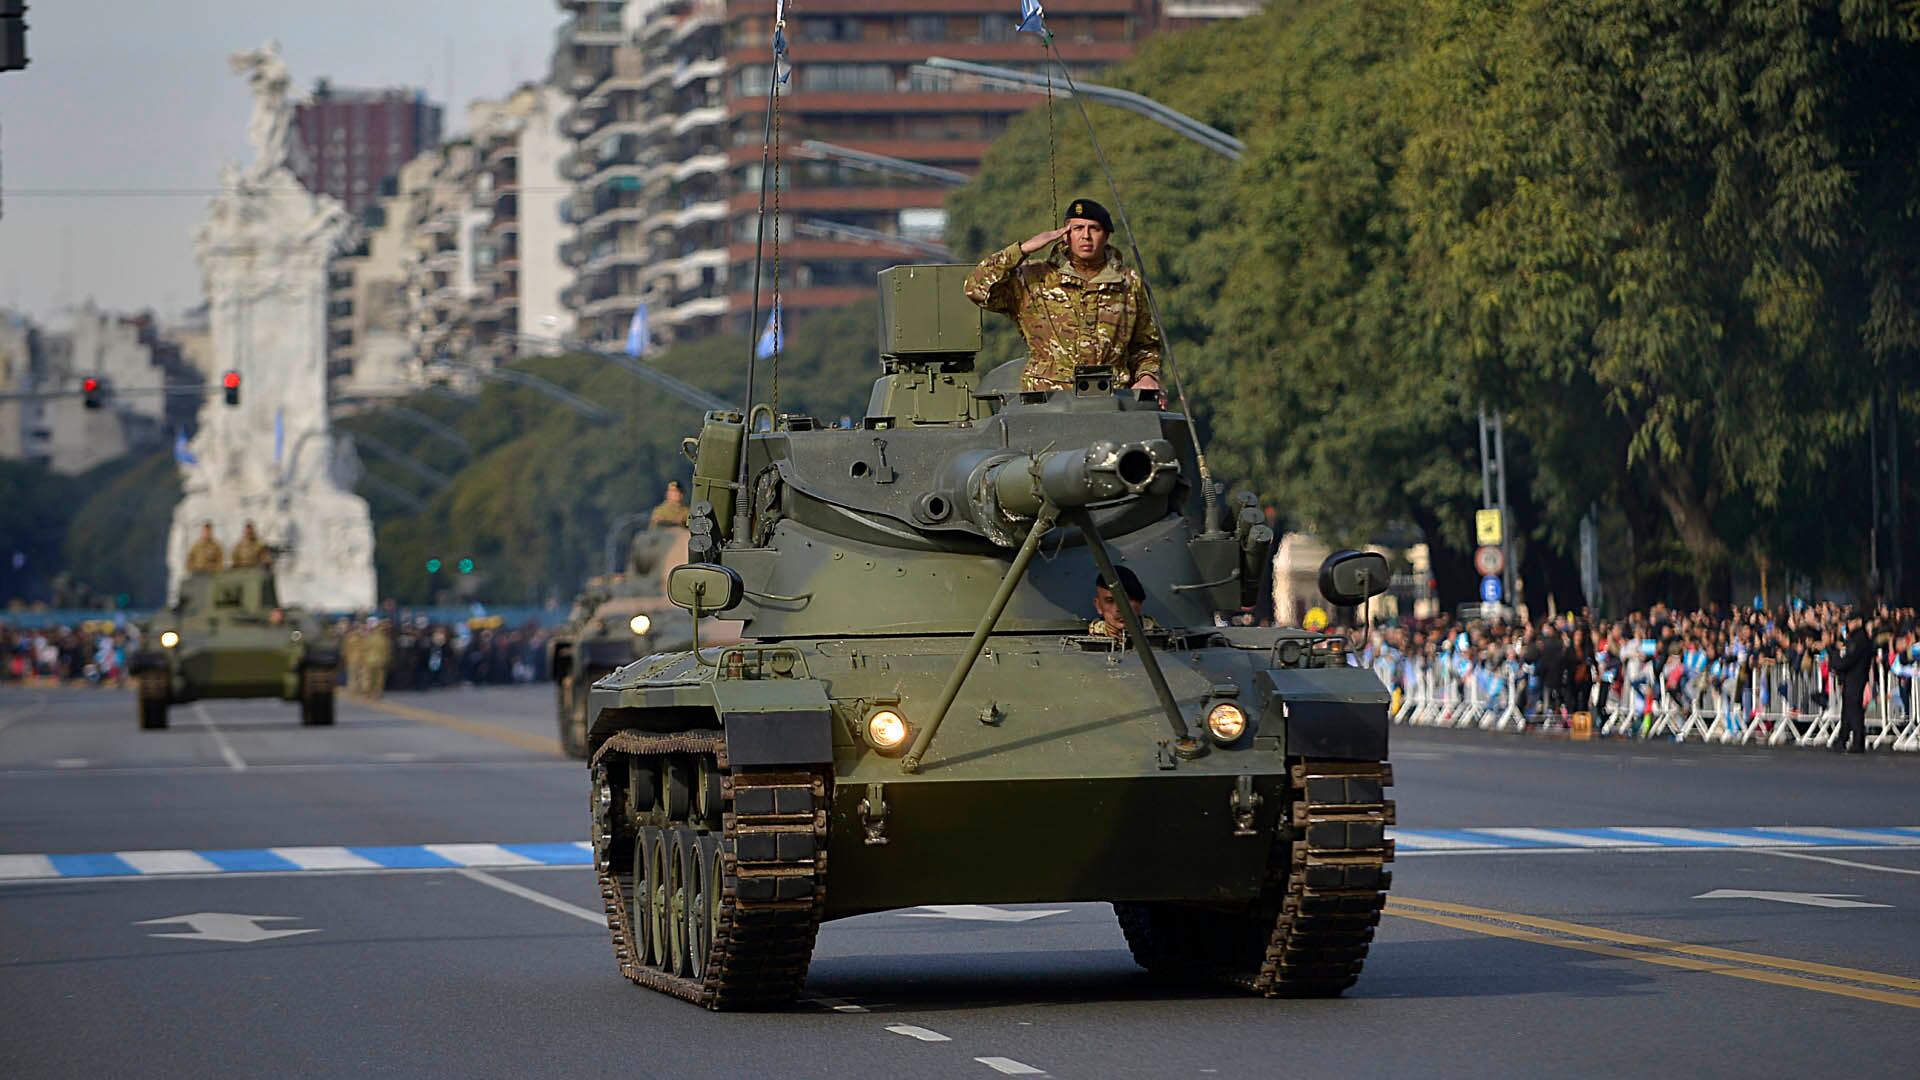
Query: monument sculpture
[(273, 458)]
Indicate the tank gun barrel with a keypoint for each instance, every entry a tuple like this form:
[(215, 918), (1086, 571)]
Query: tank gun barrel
[(1004, 492)]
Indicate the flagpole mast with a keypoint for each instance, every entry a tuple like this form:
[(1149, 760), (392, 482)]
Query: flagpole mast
[(759, 243)]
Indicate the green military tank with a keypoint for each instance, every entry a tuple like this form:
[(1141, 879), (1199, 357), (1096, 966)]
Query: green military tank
[(616, 619), (921, 712), (228, 637)]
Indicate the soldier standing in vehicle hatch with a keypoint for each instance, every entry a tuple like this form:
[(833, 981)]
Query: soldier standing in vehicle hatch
[(1080, 305)]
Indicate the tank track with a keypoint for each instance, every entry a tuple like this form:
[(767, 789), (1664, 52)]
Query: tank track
[(1308, 934), (771, 850)]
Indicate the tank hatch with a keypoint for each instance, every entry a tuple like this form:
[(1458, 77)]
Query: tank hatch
[(929, 337)]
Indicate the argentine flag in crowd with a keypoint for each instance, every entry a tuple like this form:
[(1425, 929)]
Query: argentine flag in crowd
[(279, 434), (180, 452), (637, 332), (1033, 18), (774, 338)]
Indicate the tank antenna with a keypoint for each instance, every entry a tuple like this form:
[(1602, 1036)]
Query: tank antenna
[(774, 79), (1207, 492)]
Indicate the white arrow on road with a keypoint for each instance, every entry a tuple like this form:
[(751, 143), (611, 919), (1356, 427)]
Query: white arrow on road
[(978, 913), (1810, 899), (226, 926)]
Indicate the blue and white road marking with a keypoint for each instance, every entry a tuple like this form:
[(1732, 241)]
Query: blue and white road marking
[(297, 860), (1648, 838), (290, 860)]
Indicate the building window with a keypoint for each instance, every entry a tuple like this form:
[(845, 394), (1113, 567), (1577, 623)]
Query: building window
[(997, 28), (846, 78), (836, 28), (926, 28)]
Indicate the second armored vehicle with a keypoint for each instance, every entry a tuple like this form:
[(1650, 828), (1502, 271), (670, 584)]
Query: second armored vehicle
[(228, 637), (616, 620), (924, 715)]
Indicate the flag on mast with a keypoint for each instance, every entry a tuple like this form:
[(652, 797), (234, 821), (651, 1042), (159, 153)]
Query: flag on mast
[(1033, 18), (774, 338), (637, 340)]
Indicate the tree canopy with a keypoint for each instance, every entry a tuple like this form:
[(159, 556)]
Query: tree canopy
[(1672, 242)]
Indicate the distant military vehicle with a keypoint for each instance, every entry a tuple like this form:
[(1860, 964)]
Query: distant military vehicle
[(922, 713), (228, 637), (616, 619)]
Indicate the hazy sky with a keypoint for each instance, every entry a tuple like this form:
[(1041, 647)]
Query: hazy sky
[(137, 94)]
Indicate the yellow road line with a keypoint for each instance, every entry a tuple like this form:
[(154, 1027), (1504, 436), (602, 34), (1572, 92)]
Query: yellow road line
[(463, 725), (1674, 954)]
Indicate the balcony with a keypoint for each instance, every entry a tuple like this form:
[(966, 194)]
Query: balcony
[(699, 308), (711, 116)]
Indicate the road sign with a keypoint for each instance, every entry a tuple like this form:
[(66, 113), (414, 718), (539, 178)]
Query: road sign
[(1488, 559), (226, 926), (1490, 589), (1809, 899), (1486, 526)]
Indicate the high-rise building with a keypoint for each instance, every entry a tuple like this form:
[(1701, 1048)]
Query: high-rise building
[(350, 140)]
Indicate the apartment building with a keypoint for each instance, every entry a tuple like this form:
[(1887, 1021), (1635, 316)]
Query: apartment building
[(352, 139)]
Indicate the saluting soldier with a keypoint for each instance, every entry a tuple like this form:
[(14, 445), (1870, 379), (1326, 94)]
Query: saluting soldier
[(353, 652), (1078, 306), (205, 556), (248, 550), (672, 509)]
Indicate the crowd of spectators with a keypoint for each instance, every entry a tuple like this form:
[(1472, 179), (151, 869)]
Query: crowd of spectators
[(425, 654), (1755, 660), (93, 652)]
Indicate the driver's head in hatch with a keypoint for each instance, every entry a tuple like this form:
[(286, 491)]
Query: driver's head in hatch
[(1107, 606)]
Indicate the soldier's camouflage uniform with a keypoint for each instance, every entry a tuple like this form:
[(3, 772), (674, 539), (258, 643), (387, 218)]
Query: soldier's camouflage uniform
[(1068, 319), (205, 557), (248, 552), (1099, 627)]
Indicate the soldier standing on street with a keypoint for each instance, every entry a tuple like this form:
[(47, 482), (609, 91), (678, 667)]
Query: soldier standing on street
[(205, 556), (1078, 306), (672, 509), (353, 653), (376, 657), (249, 551)]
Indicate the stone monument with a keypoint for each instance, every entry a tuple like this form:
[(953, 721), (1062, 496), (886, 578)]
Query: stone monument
[(272, 459)]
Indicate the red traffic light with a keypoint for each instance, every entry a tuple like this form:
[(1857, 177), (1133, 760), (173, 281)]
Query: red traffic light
[(90, 392), (231, 381), (90, 385)]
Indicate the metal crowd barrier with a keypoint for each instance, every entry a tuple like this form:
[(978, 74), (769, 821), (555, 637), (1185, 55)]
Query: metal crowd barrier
[(1767, 705)]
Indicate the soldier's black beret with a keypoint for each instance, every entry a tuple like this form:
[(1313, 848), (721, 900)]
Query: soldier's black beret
[(1129, 581), (1088, 210)]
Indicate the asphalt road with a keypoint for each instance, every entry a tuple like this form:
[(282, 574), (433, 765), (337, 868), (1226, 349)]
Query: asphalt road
[(1505, 953)]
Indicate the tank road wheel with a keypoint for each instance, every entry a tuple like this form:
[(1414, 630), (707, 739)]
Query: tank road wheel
[(153, 700), (316, 696), (643, 892), (703, 905), (729, 869), (680, 890), (573, 718), (1308, 934)]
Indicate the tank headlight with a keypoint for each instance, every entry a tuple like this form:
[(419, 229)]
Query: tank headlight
[(1226, 722), (639, 624), (168, 639), (887, 731)]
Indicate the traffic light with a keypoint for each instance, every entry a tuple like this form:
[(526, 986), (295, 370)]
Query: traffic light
[(433, 566), (13, 35), (230, 382), (466, 566), (90, 392)]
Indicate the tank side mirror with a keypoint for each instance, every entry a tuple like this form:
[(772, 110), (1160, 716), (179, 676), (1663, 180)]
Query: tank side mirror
[(1349, 578), (704, 587)]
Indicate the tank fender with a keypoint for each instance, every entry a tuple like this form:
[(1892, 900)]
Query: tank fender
[(771, 722), (1336, 713)]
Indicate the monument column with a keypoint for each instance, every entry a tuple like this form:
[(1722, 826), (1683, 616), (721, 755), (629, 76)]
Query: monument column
[(272, 459)]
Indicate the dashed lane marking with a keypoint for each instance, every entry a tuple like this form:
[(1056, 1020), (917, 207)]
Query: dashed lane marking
[(913, 1032), (523, 740), (1843, 862), (1010, 1067)]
